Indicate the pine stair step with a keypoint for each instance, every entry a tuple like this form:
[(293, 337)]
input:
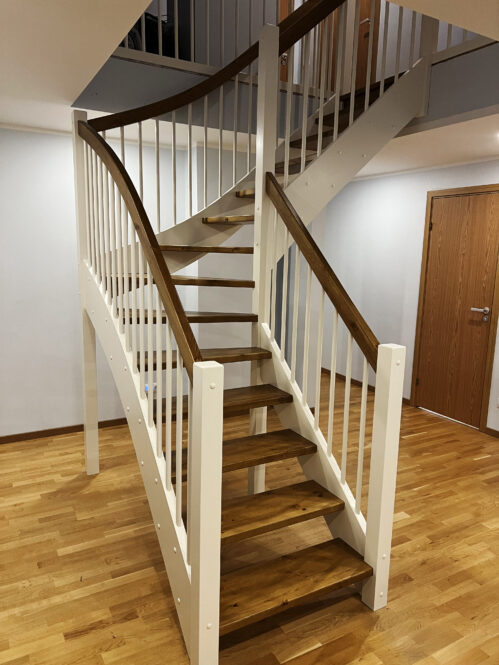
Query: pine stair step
[(253, 515), (294, 165), (246, 193), (198, 249), (229, 219), (258, 449), (263, 589), (202, 317), (238, 401), (186, 280), (223, 355)]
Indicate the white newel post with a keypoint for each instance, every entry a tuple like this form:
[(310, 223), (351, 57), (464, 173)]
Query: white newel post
[(383, 473), (205, 502), (266, 135), (89, 363)]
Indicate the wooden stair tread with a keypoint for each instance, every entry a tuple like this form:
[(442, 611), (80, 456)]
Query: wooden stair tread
[(205, 317), (229, 219), (246, 193), (259, 513), (263, 589), (187, 280), (240, 400), (294, 164), (222, 355), (257, 449), (213, 249), (221, 317)]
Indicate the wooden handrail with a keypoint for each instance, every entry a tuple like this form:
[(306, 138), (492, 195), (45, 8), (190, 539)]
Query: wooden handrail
[(291, 29), (332, 286), (167, 292)]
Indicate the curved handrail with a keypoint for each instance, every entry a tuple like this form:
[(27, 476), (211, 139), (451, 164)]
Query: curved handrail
[(291, 29), (177, 318), (332, 286)]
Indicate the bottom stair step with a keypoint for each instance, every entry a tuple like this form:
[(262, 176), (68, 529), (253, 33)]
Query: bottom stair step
[(258, 591), (252, 515)]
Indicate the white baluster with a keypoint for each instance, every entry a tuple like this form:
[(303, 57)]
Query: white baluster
[(385, 45), (355, 51), (332, 383), (399, 42), (296, 301), (174, 169), (362, 434), (178, 440), (346, 409), (369, 66), (168, 410), (306, 337)]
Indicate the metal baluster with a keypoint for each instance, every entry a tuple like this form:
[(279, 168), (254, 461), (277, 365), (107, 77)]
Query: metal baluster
[(346, 408), (362, 435)]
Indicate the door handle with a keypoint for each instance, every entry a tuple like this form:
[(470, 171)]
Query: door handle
[(366, 20), (482, 310)]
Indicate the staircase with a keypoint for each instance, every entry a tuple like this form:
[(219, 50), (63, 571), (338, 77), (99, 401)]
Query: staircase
[(306, 138)]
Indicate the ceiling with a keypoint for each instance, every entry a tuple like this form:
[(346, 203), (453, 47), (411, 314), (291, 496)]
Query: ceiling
[(464, 142), (481, 17), (50, 50)]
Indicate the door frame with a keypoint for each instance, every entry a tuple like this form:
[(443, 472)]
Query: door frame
[(459, 191)]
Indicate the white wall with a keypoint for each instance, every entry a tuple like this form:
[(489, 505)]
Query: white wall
[(40, 379), (40, 338), (373, 239)]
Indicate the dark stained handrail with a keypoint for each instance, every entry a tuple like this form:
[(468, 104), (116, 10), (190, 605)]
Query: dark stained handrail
[(167, 292), (291, 29), (332, 286)]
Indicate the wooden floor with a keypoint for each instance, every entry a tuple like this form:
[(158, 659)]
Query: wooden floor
[(82, 579)]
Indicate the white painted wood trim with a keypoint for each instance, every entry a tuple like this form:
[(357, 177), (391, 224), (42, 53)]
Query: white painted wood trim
[(383, 471)]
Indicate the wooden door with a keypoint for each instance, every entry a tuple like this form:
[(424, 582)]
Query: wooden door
[(460, 274)]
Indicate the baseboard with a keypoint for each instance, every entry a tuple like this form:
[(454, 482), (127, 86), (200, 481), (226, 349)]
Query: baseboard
[(57, 431), (491, 432)]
